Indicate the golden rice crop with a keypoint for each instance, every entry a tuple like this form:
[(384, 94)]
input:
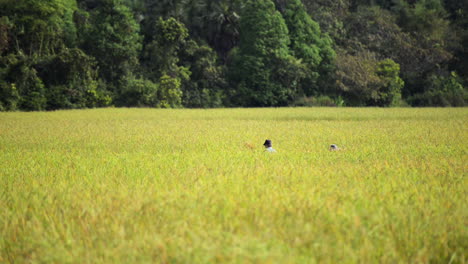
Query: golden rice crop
[(195, 186)]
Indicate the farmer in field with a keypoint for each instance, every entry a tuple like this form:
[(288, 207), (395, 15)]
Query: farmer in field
[(268, 146), (334, 147)]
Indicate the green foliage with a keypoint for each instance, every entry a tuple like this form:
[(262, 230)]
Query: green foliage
[(60, 54), (458, 11), (161, 58), (169, 93), (442, 91), (304, 33), (71, 79), (40, 27), (32, 90), (263, 47), (161, 54), (161, 61), (356, 77), (426, 17), (5, 27), (431, 42), (113, 39), (366, 81), (21, 78), (216, 22), (308, 43), (138, 92), (9, 97), (390, 92), (163, 8), (290, 73), (418, 55), (382, 35), (330, 14), (207, 83), (170, 32)]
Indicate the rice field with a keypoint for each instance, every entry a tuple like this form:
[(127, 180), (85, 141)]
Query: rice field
[(196, 186)]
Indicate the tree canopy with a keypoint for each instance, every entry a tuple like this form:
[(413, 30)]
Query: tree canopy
[(62, 54)]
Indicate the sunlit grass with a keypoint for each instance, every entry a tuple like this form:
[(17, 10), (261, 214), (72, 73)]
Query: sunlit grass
[(195, 186)]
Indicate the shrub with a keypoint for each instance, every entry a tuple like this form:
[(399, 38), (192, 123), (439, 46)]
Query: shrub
[(169, 93), (442, 91), (9, 97), (138, 92)]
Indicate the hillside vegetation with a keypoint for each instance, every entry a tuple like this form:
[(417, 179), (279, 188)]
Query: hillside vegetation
[(69, 54)]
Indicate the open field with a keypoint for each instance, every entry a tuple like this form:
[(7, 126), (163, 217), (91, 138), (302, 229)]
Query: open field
[(195, 186)]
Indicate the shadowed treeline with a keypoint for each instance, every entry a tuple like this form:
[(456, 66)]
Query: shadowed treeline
[(68, 54)]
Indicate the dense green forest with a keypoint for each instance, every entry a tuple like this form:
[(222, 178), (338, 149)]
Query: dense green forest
[(63, 54)]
